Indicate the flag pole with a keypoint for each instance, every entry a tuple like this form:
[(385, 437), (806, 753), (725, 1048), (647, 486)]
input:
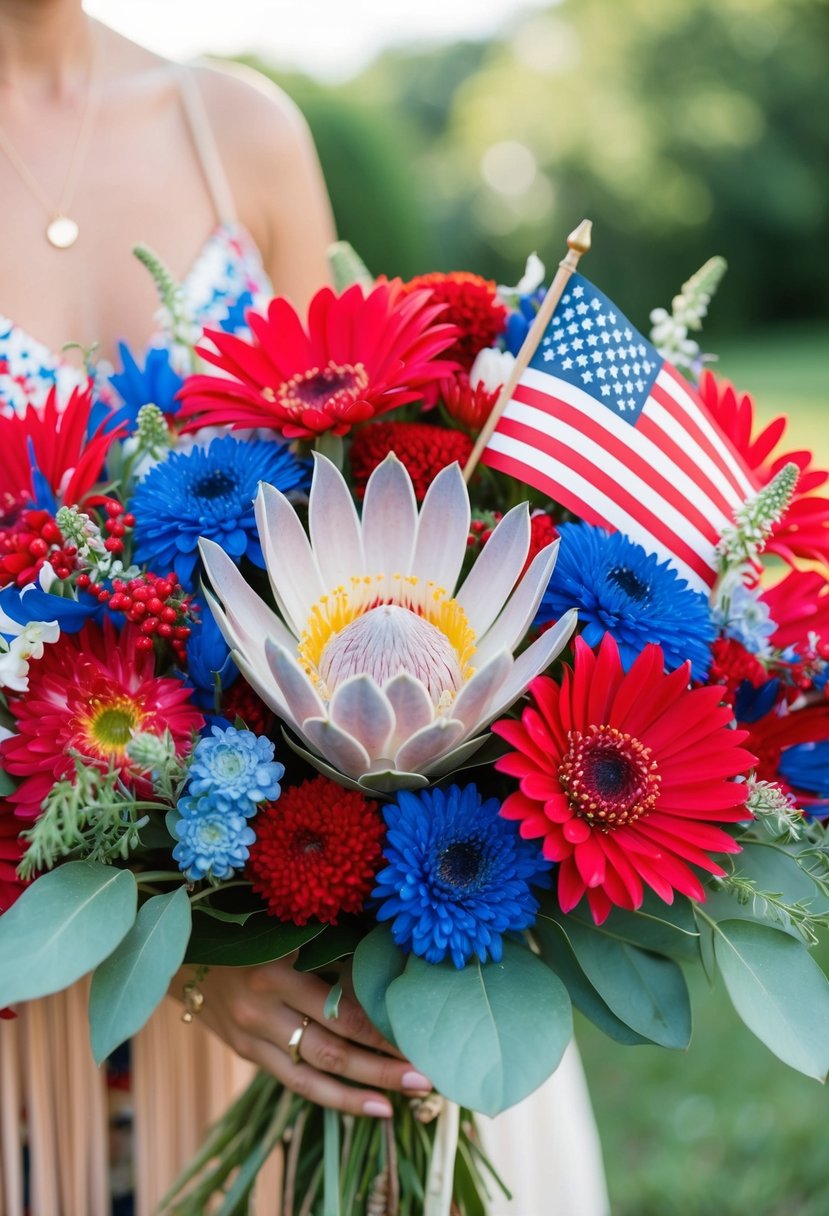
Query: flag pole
[(578, 242)]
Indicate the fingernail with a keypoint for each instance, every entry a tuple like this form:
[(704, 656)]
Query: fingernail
[(416, 1080), (377, 1108)]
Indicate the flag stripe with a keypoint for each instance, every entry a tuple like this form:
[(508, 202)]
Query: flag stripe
[(695, 415), (659, 425), (584, 498), (559, 448), (633, 447)]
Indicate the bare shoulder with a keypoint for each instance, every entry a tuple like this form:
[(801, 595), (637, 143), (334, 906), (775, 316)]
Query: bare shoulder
[(247, 107)]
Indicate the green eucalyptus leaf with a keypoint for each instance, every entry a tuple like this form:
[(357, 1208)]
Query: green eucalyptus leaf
[(378, 961), (646, 991), (778, 990), (129, 984), (486, 1035), (62, 926), (262, 939), (668, 929), (335, 942), (558, 954)]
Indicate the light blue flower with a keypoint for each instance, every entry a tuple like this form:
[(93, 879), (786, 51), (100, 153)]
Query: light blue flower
[(236, 769), (213, 843), (458, 875)]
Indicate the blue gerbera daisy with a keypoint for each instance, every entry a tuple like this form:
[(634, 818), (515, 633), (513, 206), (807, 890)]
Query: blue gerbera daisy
[(156, 382), (458, 875), (621, 589), (208, 492)]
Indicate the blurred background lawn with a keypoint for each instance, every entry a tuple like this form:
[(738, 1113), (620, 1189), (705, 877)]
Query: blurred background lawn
[(683, 128)]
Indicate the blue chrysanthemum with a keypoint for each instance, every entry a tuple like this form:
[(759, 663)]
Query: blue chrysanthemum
[(208, 492), (155, 383), (236, 769), (619, 588), (458, 875), (213, 842)]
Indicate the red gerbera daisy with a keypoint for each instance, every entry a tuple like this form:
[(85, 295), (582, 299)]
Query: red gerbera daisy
[(11, 854), (317, 851), (799, 605), (770, 735), (361, 355), (88, 694), (471, 303), (422, 448), (58, 441), (624, 777), (804, 529)]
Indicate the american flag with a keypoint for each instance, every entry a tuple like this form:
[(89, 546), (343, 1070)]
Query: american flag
[(604, 426)]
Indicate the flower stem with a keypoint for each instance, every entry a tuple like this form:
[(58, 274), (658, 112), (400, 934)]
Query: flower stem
[(331, 1158), (441, 1178)]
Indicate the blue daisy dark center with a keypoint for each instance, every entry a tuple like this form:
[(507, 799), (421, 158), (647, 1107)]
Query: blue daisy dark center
[(609, 777), (216, 484), (628, 580), (331, 387), (460, 865)]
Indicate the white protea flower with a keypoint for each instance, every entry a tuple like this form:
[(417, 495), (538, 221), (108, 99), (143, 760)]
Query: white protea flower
[(383, 670)]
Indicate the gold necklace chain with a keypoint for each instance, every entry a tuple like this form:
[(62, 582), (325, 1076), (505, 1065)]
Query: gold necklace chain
[(62, 231)]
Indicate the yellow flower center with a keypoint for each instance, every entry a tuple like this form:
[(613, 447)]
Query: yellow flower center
[(385, 624), (109, 726)]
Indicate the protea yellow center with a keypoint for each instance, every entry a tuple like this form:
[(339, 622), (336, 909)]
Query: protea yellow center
[(383, 626)]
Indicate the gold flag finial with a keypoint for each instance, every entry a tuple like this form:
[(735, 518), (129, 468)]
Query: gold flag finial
[(579, 238)]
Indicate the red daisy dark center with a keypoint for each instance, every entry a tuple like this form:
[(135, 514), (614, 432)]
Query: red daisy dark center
[(331, 388), (609, 777)]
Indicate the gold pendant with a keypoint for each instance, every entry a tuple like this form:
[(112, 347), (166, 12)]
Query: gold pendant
[(62, 232)]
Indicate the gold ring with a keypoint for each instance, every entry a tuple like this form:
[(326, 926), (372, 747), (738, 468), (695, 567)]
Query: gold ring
[(295, 1040)]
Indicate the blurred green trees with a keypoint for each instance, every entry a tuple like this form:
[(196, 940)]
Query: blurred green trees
[(681, 127)]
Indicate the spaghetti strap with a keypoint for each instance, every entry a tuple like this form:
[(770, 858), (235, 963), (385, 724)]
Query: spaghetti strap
[(205, 144)]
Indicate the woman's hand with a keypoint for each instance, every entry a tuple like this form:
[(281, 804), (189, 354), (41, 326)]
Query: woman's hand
[(256, 1010)]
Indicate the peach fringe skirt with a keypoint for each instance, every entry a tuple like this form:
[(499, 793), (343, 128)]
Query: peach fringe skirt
[(183, 1078)]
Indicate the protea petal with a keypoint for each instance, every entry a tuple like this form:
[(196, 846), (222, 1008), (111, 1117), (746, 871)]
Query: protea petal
[(429, 745), (412, 706), (359, 707), (519, 611), (534, 659), (342, 749), (297, 690), (286, 547), (494, 574), (251, 616), (474, 701), (443, 529), (389, 518), (334, 528)]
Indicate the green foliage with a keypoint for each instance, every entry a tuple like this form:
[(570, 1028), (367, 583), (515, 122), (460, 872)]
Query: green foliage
[(128, 985), (62, 926), (261, 939), (778, 990), (378, 961), (486, 1035), (645, 991)]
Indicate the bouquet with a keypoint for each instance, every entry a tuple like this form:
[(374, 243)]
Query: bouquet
[(277, 677)]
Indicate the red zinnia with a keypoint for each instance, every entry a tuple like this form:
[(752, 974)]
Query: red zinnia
[(804, 529), (624, 777), (361, 355), (422, 448), (471, 303), (68, 457), (88, 693), (317, 851)]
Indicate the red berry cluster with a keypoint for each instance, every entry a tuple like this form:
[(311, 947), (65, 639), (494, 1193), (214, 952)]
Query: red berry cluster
[(25, 545), (804, 661), (116, 523), (157, 605), (481, 528)]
